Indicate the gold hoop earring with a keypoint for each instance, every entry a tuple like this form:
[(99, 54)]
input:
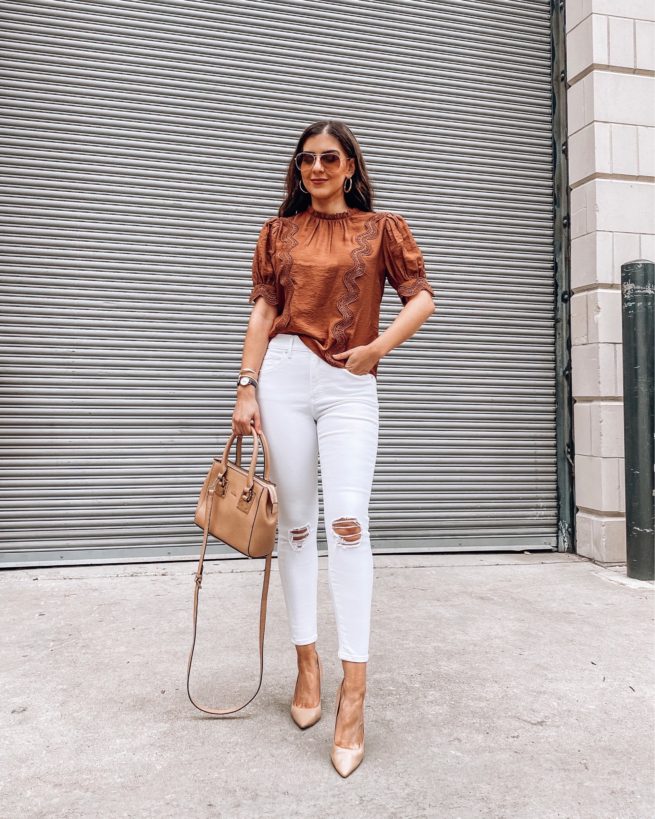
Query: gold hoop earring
[(345, 189), (301, 187)]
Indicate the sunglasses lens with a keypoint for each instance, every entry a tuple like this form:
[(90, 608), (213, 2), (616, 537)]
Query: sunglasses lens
[(304, 160), (331, 159)]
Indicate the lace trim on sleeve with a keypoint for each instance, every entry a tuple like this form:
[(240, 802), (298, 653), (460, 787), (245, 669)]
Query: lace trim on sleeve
[(267, 291), (412, 286)]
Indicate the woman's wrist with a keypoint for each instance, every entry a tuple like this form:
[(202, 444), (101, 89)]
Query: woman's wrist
[(378, 347)]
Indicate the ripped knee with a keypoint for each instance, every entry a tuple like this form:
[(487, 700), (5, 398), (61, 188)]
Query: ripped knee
[(298, 537), (348, 532)]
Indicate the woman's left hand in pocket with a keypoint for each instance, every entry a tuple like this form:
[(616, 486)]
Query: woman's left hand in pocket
[(359, 360)]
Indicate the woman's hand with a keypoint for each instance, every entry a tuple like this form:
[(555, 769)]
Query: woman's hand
[(359, 360), (246, 412)]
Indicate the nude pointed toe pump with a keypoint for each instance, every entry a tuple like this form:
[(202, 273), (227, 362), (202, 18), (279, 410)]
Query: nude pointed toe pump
[(306, 717), (345, 760)]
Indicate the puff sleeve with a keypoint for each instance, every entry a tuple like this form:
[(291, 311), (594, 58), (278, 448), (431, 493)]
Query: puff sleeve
[(263, 273), (405, 267)]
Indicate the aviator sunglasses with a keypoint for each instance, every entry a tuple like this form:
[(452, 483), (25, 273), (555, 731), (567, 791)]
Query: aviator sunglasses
[(330, 160)]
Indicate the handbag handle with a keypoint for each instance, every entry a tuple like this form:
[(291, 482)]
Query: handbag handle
[(262, 609), (267, 457), (253, 460)]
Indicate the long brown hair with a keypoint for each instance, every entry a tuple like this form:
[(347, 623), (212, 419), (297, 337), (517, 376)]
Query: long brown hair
[(359, 196)]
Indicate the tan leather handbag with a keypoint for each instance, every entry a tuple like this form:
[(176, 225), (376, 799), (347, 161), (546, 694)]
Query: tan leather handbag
[(239, 508)]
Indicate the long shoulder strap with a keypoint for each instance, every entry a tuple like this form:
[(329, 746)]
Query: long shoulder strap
[(262, 620)]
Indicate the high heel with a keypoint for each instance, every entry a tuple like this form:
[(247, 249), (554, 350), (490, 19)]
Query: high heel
[(306, 717), (345, 760)]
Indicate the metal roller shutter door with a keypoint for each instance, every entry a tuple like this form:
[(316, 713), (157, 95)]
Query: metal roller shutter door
[(144, 145)]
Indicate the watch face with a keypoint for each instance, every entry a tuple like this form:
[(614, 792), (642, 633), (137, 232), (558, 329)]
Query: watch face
[(244, 380)]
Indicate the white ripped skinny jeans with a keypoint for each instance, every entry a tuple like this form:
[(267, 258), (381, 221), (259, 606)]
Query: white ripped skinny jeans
[(310, 409)]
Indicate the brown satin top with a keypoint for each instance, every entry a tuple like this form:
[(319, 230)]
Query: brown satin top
[(325, 273)]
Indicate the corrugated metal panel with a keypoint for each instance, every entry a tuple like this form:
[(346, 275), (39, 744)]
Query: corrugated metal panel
[(144, 145)]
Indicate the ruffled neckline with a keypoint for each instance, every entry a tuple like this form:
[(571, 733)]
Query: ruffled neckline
[(345, 214)]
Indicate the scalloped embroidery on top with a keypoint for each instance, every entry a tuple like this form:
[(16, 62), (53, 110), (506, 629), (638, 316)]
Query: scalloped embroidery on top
[(350, 279), (287, 242)]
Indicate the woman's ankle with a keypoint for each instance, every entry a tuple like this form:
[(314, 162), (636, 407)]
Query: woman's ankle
[(354, 692), (354, 679), (306, 656)]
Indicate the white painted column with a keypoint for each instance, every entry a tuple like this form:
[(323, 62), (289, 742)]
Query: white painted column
[(611, 151)]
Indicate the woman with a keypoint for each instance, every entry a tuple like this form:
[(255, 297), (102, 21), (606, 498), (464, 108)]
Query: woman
[(318, 275)]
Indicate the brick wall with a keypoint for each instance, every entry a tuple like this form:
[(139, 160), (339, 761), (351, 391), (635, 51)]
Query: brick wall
[(611, 154)]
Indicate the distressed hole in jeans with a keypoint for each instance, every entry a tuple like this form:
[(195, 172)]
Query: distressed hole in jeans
[(348, 532), (297, 537)]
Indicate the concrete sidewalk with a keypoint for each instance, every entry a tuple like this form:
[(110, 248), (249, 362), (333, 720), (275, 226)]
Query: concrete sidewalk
[(500, 685)]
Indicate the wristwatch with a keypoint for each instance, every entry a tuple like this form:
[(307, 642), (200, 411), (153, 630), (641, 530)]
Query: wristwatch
[(244, 380)]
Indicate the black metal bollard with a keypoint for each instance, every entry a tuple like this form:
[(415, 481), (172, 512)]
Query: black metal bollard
[(638, 310)]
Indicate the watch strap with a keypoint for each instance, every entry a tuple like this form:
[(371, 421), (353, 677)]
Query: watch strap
[(251, 380)]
